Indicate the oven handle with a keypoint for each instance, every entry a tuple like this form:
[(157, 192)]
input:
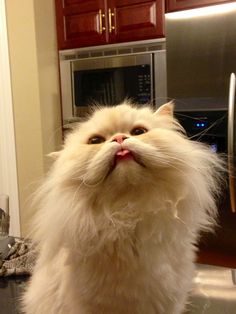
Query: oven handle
[(231, 131)]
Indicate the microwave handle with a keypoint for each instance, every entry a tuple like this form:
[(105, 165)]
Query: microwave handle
[(231, 139)]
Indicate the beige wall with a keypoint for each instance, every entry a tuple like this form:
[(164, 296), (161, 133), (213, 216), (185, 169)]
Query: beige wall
[(35, 88)]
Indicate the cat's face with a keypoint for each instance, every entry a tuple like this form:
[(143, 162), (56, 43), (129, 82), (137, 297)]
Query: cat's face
[(120, 145)]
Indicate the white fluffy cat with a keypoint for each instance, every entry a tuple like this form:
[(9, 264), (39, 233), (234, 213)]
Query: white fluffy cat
[(121, 212)]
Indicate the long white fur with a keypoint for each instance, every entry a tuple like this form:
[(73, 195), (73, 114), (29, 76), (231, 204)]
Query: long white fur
[(122, 240)]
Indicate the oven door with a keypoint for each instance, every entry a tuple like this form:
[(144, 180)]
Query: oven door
[(110, 80), (213, 128)]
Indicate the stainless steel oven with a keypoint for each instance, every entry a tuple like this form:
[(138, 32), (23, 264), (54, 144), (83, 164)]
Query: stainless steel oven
[(212, 121), (109, 74)]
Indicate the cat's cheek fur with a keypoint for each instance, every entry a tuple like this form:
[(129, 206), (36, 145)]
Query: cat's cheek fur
[(100, 164)]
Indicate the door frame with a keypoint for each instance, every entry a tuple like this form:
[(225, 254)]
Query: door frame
[(8, 160)]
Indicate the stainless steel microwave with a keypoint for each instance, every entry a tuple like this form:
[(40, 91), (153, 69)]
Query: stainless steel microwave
[(109, 74)]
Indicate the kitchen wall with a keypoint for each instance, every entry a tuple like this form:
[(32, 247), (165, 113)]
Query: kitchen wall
[(35, 91)]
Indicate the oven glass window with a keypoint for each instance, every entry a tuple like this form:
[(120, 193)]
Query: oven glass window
[(111, 86)]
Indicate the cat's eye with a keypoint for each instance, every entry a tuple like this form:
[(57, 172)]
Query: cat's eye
[(138, 130), (97, 139)]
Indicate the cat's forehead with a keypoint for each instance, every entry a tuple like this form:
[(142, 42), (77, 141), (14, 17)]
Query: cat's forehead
[(117, 119)]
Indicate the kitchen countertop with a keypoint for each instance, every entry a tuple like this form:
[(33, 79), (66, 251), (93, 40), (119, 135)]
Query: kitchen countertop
[(10, 290), (213, 292)]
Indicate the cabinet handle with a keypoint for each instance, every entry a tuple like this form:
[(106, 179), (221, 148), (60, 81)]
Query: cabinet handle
[(110, 15), (101, 27)]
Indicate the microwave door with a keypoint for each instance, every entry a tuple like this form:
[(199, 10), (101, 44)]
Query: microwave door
[(231, 142)]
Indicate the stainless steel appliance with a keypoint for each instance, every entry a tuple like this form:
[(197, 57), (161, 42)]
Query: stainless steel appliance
[(201, 55), (109, 74)]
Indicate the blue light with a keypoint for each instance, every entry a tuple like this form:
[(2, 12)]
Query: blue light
[(201, 125), (214, 148)]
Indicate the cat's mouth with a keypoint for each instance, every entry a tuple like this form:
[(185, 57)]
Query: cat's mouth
[(112, 157), (123, 155)]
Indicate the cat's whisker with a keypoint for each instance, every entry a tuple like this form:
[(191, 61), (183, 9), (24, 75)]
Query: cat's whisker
[(75, 195), (173, 207), (92, 185)]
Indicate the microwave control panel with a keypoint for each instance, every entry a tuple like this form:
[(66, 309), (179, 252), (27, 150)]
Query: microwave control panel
[(144, 87)]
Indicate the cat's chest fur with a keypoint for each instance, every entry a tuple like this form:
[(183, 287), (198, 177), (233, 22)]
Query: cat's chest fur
[(136, 265)]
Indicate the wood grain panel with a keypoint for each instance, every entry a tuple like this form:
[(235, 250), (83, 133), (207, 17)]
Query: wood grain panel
[(137, 20), (78, 23), (136, 17), (82, 25)]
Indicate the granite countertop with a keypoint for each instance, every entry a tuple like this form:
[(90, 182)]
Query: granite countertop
[(11, 289), (213, 292)]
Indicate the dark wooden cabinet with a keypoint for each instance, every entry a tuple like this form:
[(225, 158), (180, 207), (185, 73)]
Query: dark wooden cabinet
[(96, 22), (80, 23), (177, 5), (136, 20)]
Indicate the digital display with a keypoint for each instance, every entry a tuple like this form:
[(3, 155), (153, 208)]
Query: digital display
[(207, 127), (200, 124)]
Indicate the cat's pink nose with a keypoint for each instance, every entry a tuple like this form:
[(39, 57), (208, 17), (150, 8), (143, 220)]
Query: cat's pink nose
[(119, 138)]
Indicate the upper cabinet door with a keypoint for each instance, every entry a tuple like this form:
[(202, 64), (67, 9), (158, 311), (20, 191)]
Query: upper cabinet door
[(130, 20), (83, 23), (80, 23), (177, 5)]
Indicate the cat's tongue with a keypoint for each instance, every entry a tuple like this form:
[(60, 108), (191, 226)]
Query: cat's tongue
[(124, 154)]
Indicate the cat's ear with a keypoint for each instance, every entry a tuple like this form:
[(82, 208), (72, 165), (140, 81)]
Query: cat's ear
[(166, 109), (54, 155)]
